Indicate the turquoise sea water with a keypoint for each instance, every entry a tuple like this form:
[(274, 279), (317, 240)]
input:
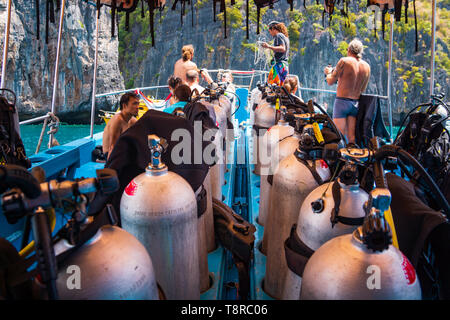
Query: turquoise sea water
[(66, 133)]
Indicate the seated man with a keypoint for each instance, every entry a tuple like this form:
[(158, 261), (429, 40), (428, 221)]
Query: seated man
[(182, 95), (192, 80), (121, 121)]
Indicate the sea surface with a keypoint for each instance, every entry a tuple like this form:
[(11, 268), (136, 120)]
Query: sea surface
[(30, 135), (66, 133)]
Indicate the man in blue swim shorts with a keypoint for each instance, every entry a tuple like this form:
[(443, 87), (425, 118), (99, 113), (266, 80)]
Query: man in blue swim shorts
[(352, 75)]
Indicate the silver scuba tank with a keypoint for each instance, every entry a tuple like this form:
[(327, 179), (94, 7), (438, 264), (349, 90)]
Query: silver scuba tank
[(221, 119), (270, 143), (286, 148), (296, 176), (363, 265), (203, 246), (265, 115), (112, 265), (224, 103), (209, 218), (159, 207), (314, 225), (255, 99)]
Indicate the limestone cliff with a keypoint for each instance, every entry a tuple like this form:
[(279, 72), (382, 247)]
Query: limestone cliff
[(31, 62), (313, 46)]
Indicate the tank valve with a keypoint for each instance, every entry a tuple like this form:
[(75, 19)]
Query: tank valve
[(376, 233), (317, 206), (156, 149), (349, 174)]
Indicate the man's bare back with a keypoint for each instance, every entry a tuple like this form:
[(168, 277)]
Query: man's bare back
[(181, 67), (115, 127), (353, 75)]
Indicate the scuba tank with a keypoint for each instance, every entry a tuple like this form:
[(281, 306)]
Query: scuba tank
[(225, 103), (286, 147), (255, 99), (218, 173), (270, 143), (209, 216), (296, 176), (364, 265), (121, 270), (160, 209), (330, 210), (265, 117), (207, 219), (89, 258)]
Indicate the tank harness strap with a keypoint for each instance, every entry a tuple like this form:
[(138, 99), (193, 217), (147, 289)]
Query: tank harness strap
[(335, 217), (312, 169), (270, 179), (297, 253), (107, 216), (201, 198), (258, 130)]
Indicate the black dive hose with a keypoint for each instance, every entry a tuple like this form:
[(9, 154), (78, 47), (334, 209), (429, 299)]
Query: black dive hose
[(288, 94), (16, 176), (394, 151)]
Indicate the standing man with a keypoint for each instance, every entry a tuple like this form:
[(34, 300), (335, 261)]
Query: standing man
[(121, 121), (184, 64), (352, 75), (280, 48)]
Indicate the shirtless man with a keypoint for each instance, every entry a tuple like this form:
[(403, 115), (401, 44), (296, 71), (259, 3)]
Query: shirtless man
[(183, 65), (121, 121), (193, 81), (353, 74)]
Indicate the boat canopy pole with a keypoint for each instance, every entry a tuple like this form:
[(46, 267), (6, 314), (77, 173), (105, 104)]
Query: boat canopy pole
[(5, 61), (389, 80), (58, 49), (433, 45), (94, 81)]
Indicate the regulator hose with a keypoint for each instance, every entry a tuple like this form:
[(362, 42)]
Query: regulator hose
[(394, 151), (288, 94), (12, 176)]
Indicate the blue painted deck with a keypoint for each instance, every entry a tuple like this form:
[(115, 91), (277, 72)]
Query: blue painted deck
[(75, 160)]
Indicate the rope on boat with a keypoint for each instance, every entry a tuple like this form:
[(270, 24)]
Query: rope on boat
[(53, 126)]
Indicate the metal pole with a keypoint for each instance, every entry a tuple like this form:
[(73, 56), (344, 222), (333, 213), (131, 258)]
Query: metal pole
[(5, 61), (433, 45), (391, 41), (94, 81), (58, 49)]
